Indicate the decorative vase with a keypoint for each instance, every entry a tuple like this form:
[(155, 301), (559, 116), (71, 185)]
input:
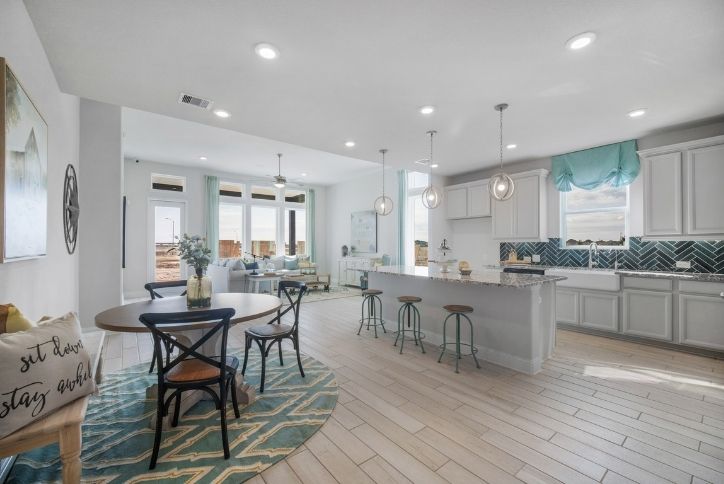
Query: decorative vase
[(198, 290)]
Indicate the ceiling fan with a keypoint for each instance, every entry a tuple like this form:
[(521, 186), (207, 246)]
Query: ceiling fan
[(279, 180)]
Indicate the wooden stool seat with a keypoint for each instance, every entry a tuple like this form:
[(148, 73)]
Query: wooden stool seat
[(458, 308), (371, 292), (409, 299)]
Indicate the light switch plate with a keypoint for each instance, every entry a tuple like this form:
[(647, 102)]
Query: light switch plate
[(536, 258), (683, 264)]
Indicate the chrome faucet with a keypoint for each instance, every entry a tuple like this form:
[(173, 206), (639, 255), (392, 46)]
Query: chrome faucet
[(592, 251)]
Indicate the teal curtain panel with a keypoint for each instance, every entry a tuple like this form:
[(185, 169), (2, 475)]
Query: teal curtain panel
[(401, 205), (212, 215)]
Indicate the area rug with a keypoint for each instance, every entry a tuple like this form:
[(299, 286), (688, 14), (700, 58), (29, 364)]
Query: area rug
[(117, 440), (335, 292)]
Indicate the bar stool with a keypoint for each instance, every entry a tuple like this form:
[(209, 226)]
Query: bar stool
[(458, 310), (409, 310), (374, 318)]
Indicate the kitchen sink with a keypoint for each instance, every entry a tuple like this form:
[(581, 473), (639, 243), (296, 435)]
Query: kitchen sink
[(598, 279)]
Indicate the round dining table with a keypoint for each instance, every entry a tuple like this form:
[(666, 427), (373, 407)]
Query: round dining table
[(247, 307)]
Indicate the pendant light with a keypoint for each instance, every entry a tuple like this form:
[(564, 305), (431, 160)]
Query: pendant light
[(501, 186), (432, 196), (279, 180), (383, 204)]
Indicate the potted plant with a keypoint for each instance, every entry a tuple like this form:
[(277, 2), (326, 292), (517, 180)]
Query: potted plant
[(193, 251)]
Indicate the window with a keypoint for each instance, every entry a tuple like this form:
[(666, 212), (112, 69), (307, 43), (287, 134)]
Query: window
[(227, 189), (231, 227), (416, 232), (263, 231), (294, 196), (295, 231), (168, 183), (263, 193), (599, 215)]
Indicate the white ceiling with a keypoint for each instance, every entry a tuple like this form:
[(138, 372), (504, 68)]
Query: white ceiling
[(359, 70), (149, 136)]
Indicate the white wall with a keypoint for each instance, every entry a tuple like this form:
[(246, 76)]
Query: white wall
[(101, 155), (48, 285), (138, 192)]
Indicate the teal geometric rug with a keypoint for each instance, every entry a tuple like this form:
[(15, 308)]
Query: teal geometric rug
[(117, 440)]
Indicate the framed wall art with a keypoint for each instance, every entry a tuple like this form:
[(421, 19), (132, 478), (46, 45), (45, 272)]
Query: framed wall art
[(23, 172), (364, 231)]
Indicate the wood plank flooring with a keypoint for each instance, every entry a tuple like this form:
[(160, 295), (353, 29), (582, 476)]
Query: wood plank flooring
[(601, 411)]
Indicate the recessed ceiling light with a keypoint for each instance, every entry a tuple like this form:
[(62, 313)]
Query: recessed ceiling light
[(580, 41), (266, 51), (203, 158), (349, 144), (434, 165), (221, 113), (304, 174), (427, 109), (636, 113), (511, 146)]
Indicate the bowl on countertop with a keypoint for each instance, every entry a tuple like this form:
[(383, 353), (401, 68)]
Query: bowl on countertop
[(466, 272)]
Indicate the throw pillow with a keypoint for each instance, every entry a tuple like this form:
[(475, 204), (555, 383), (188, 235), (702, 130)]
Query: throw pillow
[(236, 264), (42, 369), (291, 263), (12, 320), (250, 266), (278, 262)]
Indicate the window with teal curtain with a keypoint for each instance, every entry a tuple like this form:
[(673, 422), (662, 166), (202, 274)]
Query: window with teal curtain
[(616, 164), (401, 209), (311, 216), (212, 215)]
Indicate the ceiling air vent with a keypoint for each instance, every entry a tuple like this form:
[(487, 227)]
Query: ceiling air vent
[(184, 98)]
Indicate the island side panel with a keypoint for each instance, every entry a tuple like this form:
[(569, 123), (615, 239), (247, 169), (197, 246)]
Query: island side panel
[(513, 326)]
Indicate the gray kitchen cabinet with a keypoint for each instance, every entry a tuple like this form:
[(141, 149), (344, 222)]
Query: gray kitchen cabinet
[(456, 202), (599, 310), (566, 306), (663, 194), (648, 314), (705, 203), (467, 200), (701, 320), (523, 216)]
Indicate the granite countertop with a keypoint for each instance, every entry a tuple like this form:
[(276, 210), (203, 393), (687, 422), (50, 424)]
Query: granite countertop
[(482, 278), (545, 267), (683, 276)]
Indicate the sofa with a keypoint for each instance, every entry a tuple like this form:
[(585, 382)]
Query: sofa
[(230, 275)]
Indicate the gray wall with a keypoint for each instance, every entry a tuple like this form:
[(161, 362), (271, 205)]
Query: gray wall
[(48, 285)]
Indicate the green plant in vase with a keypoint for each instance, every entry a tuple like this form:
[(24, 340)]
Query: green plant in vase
[(193, 251)]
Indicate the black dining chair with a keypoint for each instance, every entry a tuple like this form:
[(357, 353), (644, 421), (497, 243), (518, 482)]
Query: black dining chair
[(275, 331), (192, 370), (152, 288)]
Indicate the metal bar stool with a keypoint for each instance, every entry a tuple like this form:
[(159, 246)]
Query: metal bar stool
[(458, 310), (374, 318), (409, 311)]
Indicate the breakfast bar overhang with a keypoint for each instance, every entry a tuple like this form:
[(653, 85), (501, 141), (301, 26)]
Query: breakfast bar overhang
[(513, 314)]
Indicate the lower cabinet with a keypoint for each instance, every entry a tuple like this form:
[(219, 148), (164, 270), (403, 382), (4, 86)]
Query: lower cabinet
[(599, 311), (566, 306), (648, 314), (701, 321)]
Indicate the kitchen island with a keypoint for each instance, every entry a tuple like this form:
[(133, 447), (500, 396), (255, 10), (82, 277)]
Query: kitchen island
[(513, 314)]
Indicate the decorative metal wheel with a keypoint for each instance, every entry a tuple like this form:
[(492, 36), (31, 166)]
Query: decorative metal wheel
[(71, 209)]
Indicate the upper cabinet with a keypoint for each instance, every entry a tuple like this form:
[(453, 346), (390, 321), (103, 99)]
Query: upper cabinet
[(523, 217), (683, 196), (467, 200)]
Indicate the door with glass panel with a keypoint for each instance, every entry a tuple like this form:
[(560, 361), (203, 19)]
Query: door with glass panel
[(166, 222)]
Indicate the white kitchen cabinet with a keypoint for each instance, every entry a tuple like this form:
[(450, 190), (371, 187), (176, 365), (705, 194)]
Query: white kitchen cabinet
[(705, 199), (522, 217), (350, 269), (566, 306), (599, 311), (701, 321), (648, 314), (683, 199), (467, 200)]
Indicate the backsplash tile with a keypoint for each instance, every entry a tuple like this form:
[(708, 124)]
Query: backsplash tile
[(705, 256)]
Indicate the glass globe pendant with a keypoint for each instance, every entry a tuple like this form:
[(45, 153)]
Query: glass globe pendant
[(383, 203), (432, 196), (501, 186)]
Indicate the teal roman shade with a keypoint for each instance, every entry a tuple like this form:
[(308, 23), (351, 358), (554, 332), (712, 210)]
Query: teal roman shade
[(617, 164), (401, 209), (212, 215)]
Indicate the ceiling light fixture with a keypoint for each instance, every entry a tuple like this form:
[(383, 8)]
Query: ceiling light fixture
[(511, 146), (434, 165), (203, 158), (304, 174), (221, 113), (637, 113), (432, 196), (266, 51), (427, 110), (383, 204), (349, 144), (501, 186), (279, 180), (580, 41)]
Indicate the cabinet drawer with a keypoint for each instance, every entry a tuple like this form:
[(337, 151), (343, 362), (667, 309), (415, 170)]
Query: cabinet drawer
[(648, 314), (647, 283), (699, 287), (701, 321)]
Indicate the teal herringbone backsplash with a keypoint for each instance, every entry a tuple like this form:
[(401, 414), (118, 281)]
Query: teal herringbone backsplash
[(705, 256)]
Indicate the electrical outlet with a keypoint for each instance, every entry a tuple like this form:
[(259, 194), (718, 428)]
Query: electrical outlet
[(683, 264), (536, 258)]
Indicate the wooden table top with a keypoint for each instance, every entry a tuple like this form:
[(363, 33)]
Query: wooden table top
[(247, 306)]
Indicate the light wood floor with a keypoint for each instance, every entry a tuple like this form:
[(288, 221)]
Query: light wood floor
[(602, 410)]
